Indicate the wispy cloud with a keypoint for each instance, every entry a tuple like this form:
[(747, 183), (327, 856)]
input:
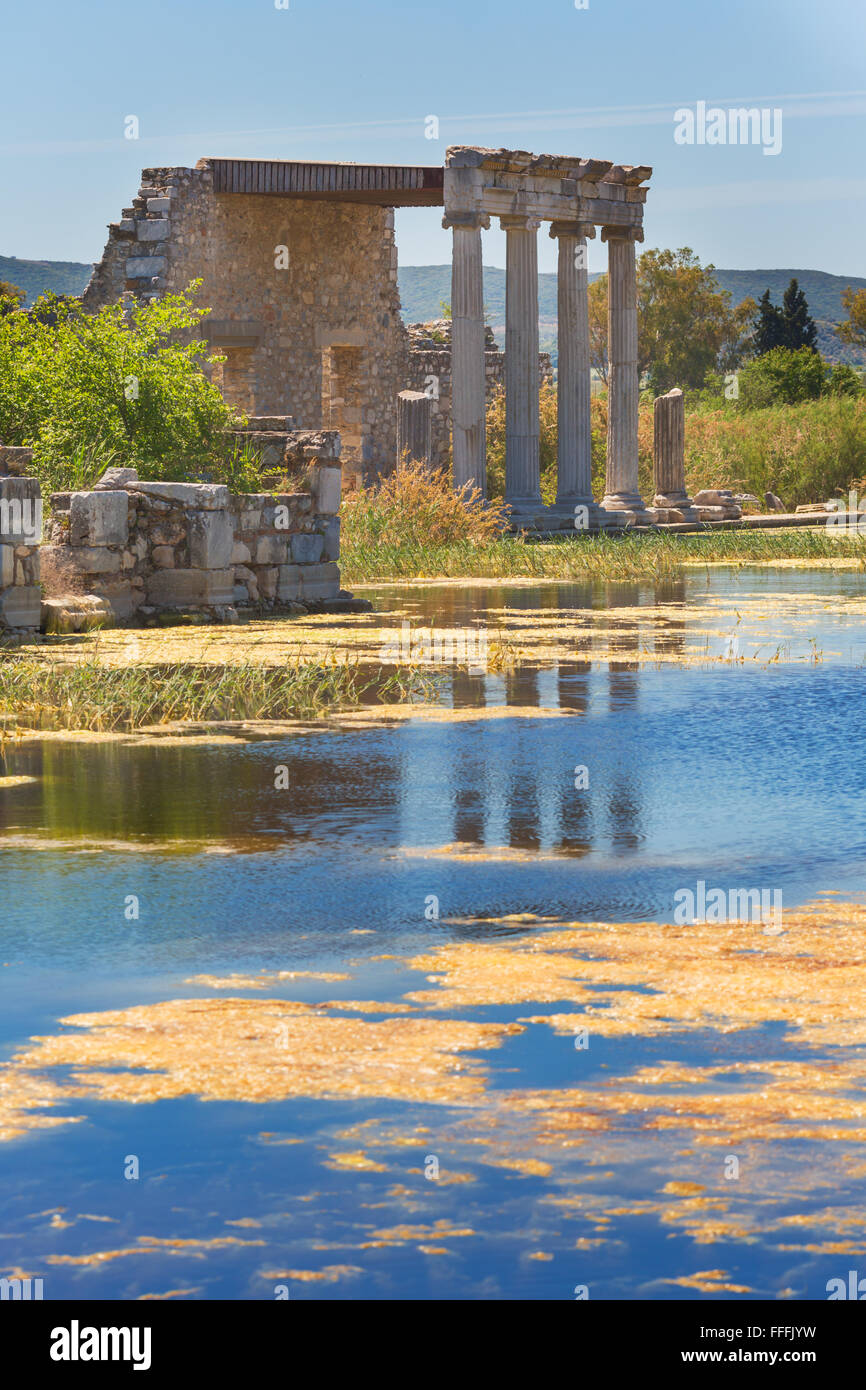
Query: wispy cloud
[(453, 127)]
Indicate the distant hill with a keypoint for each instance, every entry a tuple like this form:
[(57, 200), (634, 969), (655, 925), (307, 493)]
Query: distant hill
[(35, 277), (424, 287)]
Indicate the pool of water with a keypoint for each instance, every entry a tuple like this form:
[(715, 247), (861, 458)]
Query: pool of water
[(356, 1014)]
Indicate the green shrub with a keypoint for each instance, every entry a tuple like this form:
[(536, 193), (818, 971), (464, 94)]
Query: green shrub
[(781, 377), (121, 386)]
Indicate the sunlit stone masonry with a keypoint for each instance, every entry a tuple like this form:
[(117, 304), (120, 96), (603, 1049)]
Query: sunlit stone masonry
[(299, 268)]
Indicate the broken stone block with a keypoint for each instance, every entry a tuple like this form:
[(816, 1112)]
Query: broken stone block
[(15, 459), (307, 548), (327, 490), (7, 566), (240, 554), (211, 540), (21, 606), (98, 518), (203, 497), (181, 588), (774, 503)]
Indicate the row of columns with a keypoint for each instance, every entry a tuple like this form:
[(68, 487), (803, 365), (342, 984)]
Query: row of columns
[(574, 460)]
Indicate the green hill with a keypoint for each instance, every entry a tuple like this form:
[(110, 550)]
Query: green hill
[(424, 287), (34, 277)]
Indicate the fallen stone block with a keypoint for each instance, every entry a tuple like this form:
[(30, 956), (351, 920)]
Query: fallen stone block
[(76, 613), (114, 479)]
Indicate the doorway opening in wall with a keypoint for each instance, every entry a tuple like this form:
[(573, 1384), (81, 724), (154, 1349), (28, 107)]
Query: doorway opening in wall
[(343, 407), (235, 377)]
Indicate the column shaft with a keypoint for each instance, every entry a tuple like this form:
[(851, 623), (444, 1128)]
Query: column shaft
[(621, 485), (573, 395), (522, 466), (467, 355)]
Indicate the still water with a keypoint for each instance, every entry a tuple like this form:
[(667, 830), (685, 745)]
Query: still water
[(418, 1021)]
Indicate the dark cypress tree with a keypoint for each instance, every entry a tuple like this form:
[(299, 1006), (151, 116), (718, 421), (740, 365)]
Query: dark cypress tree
[(798, 324), (769, 326)]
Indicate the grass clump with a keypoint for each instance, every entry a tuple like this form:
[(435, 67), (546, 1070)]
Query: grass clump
[(89, 695)]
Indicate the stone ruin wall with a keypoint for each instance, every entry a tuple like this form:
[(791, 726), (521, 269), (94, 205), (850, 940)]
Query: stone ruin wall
[(136, 550), (321, 341), (429, 370)]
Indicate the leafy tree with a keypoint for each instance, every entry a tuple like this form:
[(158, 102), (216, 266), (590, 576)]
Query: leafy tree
[(799, 326), (769, 329), (782, 377), (11, 297), (124, 383), (686, 326), (853, 329)]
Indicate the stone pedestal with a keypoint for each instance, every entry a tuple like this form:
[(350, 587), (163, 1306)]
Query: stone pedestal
[(414, 427), (467, 352), (621, 484), (522, 466), (669, 465), (573, 393)]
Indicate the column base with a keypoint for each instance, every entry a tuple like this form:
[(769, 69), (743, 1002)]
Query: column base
[(631, 504), (678, 502)]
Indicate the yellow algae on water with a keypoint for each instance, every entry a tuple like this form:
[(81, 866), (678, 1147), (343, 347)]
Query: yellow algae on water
[(358, 1160)]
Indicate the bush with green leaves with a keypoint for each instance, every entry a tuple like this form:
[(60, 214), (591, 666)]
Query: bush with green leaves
[(124, 385), (782, 377)]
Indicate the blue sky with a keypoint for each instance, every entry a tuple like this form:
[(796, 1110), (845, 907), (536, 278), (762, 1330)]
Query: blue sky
[(331, 80)]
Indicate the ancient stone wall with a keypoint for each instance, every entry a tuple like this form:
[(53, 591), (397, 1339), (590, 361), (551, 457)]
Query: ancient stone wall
[(153, 547), (303, 298)]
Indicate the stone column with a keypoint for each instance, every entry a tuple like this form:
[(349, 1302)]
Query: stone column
[(621, 484), (669, 463), (467, 351), (573, 389), (522, 467), (414, 427)]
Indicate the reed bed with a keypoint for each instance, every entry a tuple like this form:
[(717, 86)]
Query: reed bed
[(91, 696)]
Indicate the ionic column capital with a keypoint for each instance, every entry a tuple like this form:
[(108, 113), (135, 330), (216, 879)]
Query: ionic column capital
[(519, 222), (581, 230), (622, 233), (468, 221)]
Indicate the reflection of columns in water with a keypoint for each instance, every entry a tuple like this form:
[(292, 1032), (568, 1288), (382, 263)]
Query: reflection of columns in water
[(523, 812), (574, 815), (572, 681), (670, 633), (624, 808)]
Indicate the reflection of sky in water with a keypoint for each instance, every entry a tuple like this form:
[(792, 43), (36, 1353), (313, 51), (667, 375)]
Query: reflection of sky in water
[(740, 775)]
